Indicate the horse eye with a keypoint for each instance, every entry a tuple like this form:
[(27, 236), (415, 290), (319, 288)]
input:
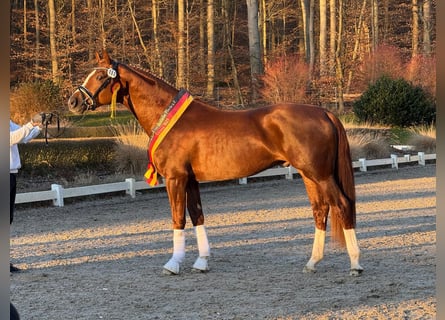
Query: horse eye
[(100, 77)]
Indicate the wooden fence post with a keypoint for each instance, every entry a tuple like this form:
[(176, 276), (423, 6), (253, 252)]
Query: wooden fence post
[(58, 201)]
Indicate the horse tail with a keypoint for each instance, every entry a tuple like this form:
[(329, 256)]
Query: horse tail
[(344, 176)]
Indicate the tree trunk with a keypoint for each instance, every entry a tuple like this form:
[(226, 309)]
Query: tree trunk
[(181, 67), (427, 27), (415, 34), (256, 68), (159, 69), (229, 44), (210, 50), (90, 30), (264, 29), (311, 38), (135, 23), (333, 35), (358, 32), (37, 56), (52, 40), (305, 18), (201, 52), (338, 56), (103, 36), (323, 38), (25, 23), (73, 21), (375, 24)]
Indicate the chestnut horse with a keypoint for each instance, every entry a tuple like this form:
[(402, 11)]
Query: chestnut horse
[(208, 144)]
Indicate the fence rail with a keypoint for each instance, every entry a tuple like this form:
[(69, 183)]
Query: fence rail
[(58, 193)]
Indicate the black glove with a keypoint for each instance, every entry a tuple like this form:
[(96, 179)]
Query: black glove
[(38, 118)]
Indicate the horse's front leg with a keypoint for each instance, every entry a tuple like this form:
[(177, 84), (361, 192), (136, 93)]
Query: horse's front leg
[(195, 211), (176, 194)]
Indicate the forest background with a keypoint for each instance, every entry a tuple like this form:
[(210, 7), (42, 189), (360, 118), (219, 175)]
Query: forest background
[(237, 54)]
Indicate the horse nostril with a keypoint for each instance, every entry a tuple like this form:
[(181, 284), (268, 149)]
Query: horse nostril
[(72, 102)]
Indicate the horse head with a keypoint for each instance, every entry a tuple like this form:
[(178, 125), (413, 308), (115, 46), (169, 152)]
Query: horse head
[(97, 88)]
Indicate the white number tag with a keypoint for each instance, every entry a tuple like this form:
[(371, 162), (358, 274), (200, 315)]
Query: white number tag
[(112, 73)]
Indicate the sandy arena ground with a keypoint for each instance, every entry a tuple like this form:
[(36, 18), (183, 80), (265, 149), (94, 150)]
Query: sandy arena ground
[(102, 259)]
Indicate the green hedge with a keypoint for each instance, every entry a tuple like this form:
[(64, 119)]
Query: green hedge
[(67, 157)]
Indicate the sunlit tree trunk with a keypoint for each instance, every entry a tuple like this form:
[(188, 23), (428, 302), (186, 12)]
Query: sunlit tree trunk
[(159, 69), (103, 36), (229, 44), (375, 23), (333, 35), (338, 57), (427, 27), (202, 35), (181, 67), (323, 37), (264, 29), (358, 33), (90, 29), (25, 23), (37, 57), (307, 8), (415, 32), (52, 40), (256, 68), (210, 50)]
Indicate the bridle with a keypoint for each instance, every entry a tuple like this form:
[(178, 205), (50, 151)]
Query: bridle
[(89, 99)]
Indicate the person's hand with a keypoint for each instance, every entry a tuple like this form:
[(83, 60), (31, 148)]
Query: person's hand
[(37, 119)]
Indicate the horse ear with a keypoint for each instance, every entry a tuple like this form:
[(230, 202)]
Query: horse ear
[(105, 56), (97, 57)]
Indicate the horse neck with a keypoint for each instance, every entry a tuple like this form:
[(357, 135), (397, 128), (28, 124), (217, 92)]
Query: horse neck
[(148, 97)]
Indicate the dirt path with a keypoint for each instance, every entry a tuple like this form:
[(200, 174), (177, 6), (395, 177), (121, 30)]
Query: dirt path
[(103, 259)]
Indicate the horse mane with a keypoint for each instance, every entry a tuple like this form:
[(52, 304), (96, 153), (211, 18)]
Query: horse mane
[(146, 73)]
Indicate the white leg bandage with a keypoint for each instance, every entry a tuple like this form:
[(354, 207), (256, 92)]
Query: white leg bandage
[(203, 242), (178, 245), (317, 250), (201, 262), (353, 251), (172, 266)]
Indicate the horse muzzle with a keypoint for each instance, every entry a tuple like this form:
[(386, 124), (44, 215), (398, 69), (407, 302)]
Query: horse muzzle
[(81, 100)]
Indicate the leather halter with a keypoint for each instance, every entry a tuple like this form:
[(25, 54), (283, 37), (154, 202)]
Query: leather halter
[(89, 99)]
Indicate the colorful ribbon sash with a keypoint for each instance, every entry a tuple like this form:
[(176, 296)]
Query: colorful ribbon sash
[(168, 119)]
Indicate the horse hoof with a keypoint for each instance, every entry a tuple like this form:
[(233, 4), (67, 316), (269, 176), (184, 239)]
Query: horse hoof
[(171, 267), (201, 264), (309, 270), (355, 272)]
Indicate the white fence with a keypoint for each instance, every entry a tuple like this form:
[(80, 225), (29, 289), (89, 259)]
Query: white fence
[(57, 194)]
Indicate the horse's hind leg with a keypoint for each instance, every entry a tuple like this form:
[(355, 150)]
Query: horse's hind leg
[(320, 211), (194, 208), (342, 222)]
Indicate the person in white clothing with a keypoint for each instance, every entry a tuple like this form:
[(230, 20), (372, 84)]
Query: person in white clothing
[(19, 134)]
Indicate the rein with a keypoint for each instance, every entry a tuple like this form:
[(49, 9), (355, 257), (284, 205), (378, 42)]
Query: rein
[(47, 119), (167, 120)]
